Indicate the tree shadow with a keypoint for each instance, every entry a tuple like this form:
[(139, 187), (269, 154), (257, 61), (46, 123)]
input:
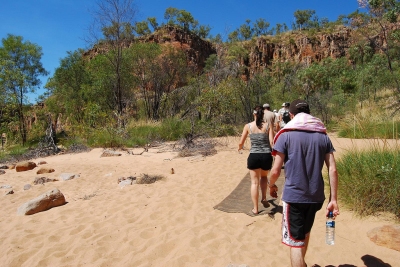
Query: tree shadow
[(369, 261)]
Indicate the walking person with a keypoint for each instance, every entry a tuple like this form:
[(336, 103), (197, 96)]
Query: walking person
[(304, 147), (269, 116), (259, 161), (284, 116), (277, 126)]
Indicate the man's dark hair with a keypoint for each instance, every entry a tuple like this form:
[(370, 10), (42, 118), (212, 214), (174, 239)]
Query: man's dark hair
[(298, 106)]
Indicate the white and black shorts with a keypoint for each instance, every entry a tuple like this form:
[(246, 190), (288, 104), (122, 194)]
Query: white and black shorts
[(297, 221)]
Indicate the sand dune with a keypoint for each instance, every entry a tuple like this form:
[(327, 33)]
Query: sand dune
[(169, 223)]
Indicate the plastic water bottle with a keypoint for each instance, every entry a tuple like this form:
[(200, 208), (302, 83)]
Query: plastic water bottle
[(330, 229)]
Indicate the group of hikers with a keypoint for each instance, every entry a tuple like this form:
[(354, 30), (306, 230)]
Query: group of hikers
[(293, 138)]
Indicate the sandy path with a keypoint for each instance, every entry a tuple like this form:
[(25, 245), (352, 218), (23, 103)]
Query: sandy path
[(169, 223)]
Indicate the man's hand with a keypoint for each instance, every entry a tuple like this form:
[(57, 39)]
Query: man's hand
[(273, 191)]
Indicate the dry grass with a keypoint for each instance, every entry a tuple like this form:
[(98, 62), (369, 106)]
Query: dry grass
[(148, 179)]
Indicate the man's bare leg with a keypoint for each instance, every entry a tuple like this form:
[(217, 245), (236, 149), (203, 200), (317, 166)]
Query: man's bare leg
[(297, 254)]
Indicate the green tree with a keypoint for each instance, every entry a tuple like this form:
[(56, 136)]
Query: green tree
[(157, 71), (260, 27), (233, 36), (20, 68), (114, 19), (142, 28), (171, 14), (303, 18), (67, 88), (153, 23), (245, 30), (202, 31), (185, 19), (382, 14)]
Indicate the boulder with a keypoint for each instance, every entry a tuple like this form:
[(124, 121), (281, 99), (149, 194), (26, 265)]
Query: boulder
[(4, 167), (2, 172), (45, 170), (25, 166), (386, 236), (43, 202)]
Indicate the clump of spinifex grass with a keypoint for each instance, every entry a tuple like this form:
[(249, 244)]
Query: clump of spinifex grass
[(369, 180)]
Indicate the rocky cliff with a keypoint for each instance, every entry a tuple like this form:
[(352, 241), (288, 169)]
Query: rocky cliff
[(196, 49), (299, 48)]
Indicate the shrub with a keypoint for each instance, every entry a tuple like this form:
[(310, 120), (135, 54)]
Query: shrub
[(369, 181)]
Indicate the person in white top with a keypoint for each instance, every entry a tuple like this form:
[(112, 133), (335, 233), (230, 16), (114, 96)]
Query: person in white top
[(284, 110)]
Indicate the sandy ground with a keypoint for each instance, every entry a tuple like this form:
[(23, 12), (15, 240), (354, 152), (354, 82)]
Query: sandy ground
[(169, 223)]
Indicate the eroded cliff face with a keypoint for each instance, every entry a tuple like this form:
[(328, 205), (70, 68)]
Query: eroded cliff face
[(196, 49), (298, 48)]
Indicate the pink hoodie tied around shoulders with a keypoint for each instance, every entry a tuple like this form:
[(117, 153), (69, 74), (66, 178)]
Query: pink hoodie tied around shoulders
[(302, 122)]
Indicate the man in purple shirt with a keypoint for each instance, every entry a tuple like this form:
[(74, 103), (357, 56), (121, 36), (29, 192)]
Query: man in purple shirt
[(304, 152)]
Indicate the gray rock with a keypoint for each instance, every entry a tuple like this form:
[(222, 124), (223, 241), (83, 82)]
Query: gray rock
[(43, 202), (2, 172), (68, 176), (6, 186), (27, 187), (125, 182), (237, 265), (4, 167)]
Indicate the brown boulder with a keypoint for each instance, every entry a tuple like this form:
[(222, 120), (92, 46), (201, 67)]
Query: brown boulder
[(43, 202), (386, 236), (45, 170), (25, 166)]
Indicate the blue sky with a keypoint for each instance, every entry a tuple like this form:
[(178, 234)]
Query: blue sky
[(59, 26)]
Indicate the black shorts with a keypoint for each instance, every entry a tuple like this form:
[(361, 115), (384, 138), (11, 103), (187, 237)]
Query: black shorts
[(259, 161), (297, 221)]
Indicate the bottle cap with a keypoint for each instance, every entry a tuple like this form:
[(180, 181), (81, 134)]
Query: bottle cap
[(330, 215)]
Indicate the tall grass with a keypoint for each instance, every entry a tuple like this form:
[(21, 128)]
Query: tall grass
[(361, 127), (138, 133), (371, 121), (11, 152), (369, 180)]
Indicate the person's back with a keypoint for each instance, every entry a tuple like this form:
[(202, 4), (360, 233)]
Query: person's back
[(305, 153), (269, 117), (259, 139), (304, 147), (283, 113)]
